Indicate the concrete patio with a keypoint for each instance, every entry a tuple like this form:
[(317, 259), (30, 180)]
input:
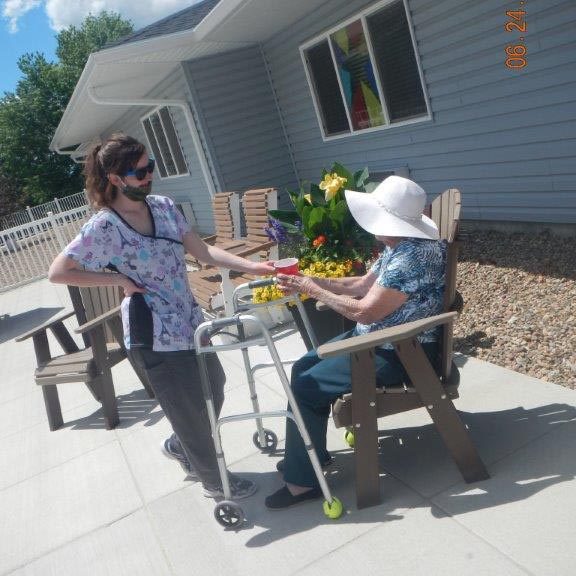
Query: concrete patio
[(87, 501)]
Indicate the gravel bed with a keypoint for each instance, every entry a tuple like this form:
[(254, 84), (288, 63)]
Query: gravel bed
[(519, 310)]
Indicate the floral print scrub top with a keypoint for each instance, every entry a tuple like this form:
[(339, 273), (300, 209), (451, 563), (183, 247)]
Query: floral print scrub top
[(166, 316), (415, 267)]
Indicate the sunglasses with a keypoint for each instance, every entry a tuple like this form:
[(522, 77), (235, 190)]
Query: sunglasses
[(140, 173)]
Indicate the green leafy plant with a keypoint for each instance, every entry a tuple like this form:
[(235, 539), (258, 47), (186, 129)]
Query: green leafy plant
[(321, 221)]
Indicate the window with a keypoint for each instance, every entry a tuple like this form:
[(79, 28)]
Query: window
[(365, 73), (164, 143)]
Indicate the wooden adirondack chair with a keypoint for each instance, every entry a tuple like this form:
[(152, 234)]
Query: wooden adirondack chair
[(98, 313), (359, 410), (213, 287), (255, 206)]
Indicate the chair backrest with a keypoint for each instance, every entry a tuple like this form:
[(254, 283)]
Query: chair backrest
[(255, 206), (445, 211), (226, 209), (89, 303)]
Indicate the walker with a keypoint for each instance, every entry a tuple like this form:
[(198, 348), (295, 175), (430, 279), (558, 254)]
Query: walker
[(227, 512)]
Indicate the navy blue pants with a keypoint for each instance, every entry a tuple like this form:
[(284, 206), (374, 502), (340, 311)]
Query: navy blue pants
[(316, 384)]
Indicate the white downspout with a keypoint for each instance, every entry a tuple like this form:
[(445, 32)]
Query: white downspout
[(183, 105)]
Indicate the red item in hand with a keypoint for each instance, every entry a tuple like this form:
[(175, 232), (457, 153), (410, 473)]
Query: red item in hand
[(287, 266)]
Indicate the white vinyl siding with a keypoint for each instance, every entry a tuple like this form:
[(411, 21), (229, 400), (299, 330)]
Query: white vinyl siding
[(506, 138)]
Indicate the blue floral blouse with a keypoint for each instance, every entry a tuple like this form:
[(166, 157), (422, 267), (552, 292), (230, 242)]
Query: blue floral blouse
[(415, 267)]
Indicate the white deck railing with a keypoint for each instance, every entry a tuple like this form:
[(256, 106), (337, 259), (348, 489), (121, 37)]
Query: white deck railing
[(26, 251), (41, 211)]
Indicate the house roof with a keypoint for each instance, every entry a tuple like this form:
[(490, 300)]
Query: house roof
[(119, 77), (186, 19)]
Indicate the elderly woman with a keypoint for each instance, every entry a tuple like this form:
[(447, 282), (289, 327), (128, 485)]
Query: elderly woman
[(406, 283)]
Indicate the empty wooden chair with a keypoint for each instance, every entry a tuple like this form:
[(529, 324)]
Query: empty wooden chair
[(98, 314), (255, 206), (213, 287), (360, 409)]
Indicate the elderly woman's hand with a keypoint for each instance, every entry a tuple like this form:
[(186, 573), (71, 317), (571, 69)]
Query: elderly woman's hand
[(291, 284)]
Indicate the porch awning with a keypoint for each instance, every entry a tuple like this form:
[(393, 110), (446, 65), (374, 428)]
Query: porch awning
[(132, 72)]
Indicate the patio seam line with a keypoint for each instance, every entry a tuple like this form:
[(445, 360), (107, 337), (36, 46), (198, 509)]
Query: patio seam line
[(43, 421), (503, 457), (145, 507), (486, 542), (407, 511), (358, 537), (56, 466), (65, 426), (68, 542)]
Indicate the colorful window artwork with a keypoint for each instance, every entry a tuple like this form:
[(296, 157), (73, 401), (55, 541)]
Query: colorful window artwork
[(365, 74), (357, 76)]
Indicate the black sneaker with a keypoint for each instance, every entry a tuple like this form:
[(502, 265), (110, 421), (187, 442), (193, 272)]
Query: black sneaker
[(239, 487), (173, 449)]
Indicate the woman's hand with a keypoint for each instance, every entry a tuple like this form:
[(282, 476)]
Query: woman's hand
[(129, 287), (264, 268), (291, 284)]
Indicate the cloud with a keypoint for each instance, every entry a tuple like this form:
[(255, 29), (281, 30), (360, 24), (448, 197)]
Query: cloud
[(13, 10), (64, 13)]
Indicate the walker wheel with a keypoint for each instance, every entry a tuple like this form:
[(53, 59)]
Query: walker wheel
[(334, 509), (271, 441), (349, 438), (229, 514)]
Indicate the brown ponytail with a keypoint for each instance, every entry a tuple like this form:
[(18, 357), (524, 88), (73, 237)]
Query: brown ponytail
[(119, 154)]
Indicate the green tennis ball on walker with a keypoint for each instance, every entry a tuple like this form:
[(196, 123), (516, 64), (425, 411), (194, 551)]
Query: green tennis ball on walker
[(349, 438), (333, 510)]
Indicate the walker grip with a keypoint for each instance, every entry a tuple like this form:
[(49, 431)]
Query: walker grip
[(261, 283), (223, 322)]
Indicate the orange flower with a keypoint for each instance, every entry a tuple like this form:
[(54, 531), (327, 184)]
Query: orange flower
[(319, 241)]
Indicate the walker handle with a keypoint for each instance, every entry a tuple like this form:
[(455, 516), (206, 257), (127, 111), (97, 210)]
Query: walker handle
[(223, 322), (261, 283)]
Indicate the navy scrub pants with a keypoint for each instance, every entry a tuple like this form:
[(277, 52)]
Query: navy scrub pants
[(175, 379)]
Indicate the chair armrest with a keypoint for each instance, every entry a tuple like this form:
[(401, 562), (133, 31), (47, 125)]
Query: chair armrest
[(256, 248), (386, 335), (46, 326), (98, 320)]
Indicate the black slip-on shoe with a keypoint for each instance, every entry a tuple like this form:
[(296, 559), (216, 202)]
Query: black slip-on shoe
[(284, 499)]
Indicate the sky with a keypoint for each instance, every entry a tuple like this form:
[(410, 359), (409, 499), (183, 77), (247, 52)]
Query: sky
[(32, 25)]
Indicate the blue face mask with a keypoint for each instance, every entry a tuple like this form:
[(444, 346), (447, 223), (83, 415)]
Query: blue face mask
[(136, 193)]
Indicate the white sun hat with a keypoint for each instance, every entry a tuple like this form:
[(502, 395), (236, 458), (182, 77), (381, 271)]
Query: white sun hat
[(393, 209)]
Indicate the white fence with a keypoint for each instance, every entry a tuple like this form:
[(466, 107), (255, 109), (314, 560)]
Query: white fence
[(26, 251), (56, 206)]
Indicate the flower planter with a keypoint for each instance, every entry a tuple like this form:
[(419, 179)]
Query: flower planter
[(326, 323)]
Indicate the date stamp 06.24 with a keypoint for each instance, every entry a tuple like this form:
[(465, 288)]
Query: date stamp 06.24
[(516, 24)]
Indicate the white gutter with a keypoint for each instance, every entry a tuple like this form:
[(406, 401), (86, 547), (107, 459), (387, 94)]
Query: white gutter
[(209, 178)]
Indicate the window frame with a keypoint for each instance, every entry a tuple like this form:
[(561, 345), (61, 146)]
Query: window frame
[(325, 37), (147, 117)]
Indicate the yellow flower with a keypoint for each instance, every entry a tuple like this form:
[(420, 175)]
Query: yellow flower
[(331, 184), (266, 294), (308, 198)]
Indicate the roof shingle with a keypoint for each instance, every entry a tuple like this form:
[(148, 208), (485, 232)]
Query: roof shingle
[(186, 19)]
